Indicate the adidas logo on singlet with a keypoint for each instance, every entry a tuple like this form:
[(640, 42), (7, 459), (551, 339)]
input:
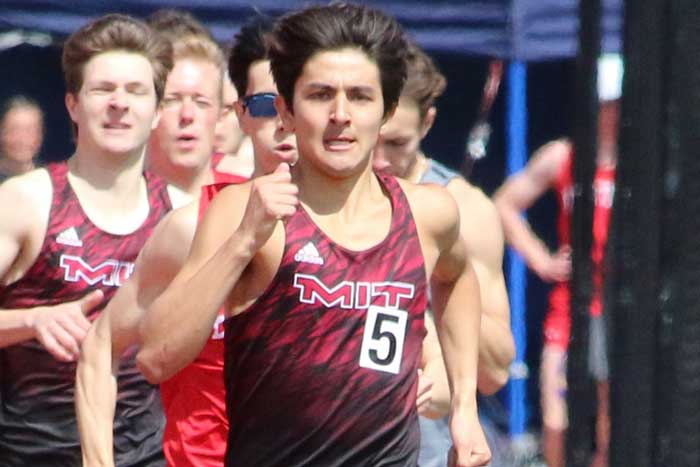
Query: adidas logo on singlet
[(69, 237), (308, 254)]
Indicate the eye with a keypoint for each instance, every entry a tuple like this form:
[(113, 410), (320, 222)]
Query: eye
[(395, 143), (203, 103), (360, 96), (170, 101), (320, 95)]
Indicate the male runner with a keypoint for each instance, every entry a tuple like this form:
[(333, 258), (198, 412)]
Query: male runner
[(551, 167), (181, 147), (326, 320), (74, 241), (398, 152), (194, 398)]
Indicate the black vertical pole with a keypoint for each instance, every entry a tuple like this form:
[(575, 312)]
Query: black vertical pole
[(581, 393), (679, 427), (638, 432)]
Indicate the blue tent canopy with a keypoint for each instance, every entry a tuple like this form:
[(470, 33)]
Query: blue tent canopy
[(528, 30)]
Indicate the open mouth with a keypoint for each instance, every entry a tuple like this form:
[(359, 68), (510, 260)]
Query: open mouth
[(339, 143), (116, 126)]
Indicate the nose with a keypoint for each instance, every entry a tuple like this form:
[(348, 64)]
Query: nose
[(187, 111), (118, 100), (339, 110)]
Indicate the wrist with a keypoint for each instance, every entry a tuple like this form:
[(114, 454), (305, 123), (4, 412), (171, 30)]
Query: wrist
[(242, 245), (30, 319)]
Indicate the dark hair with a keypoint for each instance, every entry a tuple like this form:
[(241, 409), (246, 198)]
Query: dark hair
[(249, 45), (425, 83), (19, 101), (115, 32), (299, 36)]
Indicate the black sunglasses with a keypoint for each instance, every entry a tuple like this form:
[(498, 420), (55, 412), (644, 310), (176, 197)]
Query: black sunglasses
[(261, 104)]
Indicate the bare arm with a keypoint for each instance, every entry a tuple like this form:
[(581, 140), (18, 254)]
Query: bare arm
[(433, 370), (457, 309), (480, 228), (117, 329), (179, 322), (520, 192), (60, 328)]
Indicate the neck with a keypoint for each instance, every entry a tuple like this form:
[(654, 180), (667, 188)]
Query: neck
[(326, 195), (187, 179), (118, 173), (418, 168), (12, 167)]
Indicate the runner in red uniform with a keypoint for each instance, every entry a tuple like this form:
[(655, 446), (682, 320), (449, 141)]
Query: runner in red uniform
[(339, 70), (69, 236), (551, 167), (194, 398)]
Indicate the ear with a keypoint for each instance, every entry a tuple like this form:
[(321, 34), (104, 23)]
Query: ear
[(427, 122), (240, 115), (156, 118), (285, 113), (72, 105)]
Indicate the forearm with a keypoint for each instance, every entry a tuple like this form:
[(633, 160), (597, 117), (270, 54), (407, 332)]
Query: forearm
[(16, 326), (496, 352), (178, 323), (95, 398), (457, 317)]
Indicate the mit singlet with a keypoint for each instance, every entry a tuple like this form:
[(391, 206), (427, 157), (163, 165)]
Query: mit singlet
[(39, 426), (322, 369), (194, 400), (557, 323)]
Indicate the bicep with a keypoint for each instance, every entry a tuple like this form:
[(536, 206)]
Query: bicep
[(211, 232), (521, 190), (14, 225)]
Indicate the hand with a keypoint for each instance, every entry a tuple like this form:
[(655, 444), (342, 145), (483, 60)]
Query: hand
[(425, 393), (273, 197), (61, 328), (469, 446), (557, 267)]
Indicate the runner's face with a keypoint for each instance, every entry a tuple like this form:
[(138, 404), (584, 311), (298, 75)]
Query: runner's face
[(272, 142), (115, 109), (399, 141), (190, 110), (338, 110)]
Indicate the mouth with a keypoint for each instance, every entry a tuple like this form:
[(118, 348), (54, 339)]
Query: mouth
[(285, 147), (186, 142), (116, 126), (338, 143)]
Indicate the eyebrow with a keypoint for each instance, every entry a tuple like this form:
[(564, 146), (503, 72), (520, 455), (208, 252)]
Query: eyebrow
[(322, 86)]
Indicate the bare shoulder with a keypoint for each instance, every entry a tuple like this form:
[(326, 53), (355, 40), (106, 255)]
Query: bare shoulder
[(472, 201), (480, 222), (33, 187), (548, 160), (434, 209), (25, 201)]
